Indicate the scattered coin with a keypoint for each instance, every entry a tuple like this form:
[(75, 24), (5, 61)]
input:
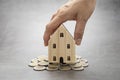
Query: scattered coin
[(77, 61), (52, 68), (84, 64), (33, 64), (78, 69), (34, 60), (84, 60), (46, 59), (39, 68), (76, 65), (78, 57), (42, 58), (43, 63)]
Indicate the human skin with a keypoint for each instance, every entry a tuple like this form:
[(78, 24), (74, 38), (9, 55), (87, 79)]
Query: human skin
[(77, 10)]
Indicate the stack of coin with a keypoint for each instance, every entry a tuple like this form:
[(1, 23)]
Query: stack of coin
[(39, 68), (77, 66), (33, 63), (41, 63), (64, 67), (52, 67)]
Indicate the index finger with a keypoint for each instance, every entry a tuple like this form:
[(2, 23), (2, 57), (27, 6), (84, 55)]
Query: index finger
[(51, 27)]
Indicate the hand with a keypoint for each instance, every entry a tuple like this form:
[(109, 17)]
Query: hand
[(78, 10)]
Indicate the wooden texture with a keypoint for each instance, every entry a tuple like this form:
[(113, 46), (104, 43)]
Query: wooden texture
[(61, 47)]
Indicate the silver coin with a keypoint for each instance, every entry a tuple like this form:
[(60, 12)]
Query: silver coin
[(33, 64), (39, 68), (77, 61), (78, 69), (42, 58), (84, 64), (53, 65), (43, 63), (76, 65), (34, 60), (51, 68), (78, 57), (84, 60), (65, 68)]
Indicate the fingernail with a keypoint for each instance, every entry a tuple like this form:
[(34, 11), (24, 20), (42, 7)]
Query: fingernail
[(78, 41), (45, 44)]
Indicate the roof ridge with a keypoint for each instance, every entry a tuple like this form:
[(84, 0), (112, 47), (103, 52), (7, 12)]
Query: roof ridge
[(67, 30)]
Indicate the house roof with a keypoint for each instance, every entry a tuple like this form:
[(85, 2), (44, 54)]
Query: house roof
[(62, 26)]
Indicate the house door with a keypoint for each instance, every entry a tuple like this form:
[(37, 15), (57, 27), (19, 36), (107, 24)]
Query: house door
[(61, 60)]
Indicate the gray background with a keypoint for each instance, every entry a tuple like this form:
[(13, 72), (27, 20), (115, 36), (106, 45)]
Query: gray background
[(22, 24)]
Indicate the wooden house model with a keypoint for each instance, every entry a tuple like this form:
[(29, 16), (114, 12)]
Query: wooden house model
[(61, 47)]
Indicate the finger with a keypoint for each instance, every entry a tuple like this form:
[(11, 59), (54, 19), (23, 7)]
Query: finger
[(53, 15), (51, 27), (79, 30)]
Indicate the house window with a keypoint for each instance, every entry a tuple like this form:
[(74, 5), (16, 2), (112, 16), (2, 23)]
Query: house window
[(68, 46), (68, 58), (54, 58), (54, 45), (61, 35)]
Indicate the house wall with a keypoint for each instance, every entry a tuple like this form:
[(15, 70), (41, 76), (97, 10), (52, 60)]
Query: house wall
[(62, 43), (53, 51), (61, 49), (70, 52)]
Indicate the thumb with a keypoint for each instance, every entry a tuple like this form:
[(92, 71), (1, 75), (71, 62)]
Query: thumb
[(79, 30)]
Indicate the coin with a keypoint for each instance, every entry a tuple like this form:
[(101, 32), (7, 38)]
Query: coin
[(77, 61), (78, 57), (33, 64), (34, 60), (84, 60), (84, 64), (42, 58), (78, 69), (53, 65), (76, 65), (43, 63), (39, 68), (52, 68), (65, 67)]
